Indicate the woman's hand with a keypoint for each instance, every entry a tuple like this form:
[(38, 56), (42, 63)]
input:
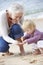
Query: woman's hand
[(19, 44)]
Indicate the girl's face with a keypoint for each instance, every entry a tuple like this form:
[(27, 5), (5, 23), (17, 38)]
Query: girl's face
[(30, 31)]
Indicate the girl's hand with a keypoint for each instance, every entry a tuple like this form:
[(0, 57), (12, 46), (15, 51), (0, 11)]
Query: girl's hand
[(25, 41)]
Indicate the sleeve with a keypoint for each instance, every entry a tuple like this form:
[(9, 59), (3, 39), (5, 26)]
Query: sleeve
[(34, 39), (26, 36), (9, 39)]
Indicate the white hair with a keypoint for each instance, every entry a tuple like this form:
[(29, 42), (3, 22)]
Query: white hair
[(15, 8)]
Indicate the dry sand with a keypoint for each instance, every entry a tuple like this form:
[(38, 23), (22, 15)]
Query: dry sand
[(16, 59)]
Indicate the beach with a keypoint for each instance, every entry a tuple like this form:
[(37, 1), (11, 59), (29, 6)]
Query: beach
[(34, 11), (17, 59), (28, 59)]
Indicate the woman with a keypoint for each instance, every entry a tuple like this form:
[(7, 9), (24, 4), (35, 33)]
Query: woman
[(4, 31)]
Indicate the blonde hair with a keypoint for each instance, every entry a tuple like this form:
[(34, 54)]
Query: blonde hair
[(15, 8), (28, 24)]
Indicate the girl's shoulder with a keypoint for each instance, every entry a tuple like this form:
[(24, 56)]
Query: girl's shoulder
[(36, 32)]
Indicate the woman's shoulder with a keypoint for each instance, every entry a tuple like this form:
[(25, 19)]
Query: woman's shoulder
[(3, 16)]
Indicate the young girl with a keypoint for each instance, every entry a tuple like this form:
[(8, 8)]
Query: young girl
[(15, 18), (33, 36)]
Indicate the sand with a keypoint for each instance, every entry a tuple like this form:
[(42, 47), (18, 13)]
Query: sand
[(17, 59)]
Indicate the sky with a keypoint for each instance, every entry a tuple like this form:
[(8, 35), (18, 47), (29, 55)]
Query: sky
[(31, 6)]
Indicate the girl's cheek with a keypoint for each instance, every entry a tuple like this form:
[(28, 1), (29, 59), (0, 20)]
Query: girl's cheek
[(29, 32)]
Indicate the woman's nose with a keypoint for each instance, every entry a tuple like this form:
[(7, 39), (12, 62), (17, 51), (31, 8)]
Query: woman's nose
[(18, 18)]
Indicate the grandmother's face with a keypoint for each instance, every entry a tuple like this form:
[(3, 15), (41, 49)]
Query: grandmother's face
[(18, 16), (15, 18)]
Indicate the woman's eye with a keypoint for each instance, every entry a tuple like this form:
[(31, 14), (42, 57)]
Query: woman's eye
[(20, 16), (10, 18), (16, 16)]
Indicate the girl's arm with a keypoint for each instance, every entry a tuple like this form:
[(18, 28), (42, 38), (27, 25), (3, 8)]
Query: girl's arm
[(33, 39), (26, 36)]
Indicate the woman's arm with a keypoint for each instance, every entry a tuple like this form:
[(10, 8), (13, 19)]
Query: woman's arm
[(4, 34), (9, 40)]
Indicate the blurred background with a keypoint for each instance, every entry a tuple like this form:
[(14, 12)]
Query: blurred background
[(30, 6), (33, 10)]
